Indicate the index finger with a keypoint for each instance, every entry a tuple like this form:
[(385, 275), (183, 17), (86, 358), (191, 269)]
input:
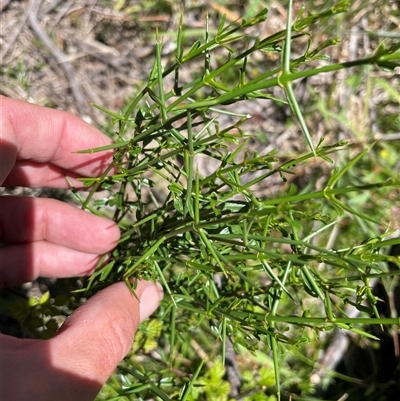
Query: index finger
[(42, 142)]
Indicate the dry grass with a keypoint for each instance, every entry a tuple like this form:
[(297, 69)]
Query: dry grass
[(66, 54)]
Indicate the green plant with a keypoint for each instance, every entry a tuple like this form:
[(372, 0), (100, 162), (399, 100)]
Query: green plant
[(235, 267), (244, 270)]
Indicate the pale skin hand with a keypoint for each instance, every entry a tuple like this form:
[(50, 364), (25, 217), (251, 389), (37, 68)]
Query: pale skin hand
[(49, 238)]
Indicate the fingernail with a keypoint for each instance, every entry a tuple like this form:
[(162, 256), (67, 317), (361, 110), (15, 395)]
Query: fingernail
[(150, 299)]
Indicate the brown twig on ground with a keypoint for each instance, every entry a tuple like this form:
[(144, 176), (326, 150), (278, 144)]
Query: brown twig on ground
[(59, 56), (201, 353), (231, 368)]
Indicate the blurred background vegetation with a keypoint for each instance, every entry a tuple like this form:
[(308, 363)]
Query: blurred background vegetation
[(65, 54)]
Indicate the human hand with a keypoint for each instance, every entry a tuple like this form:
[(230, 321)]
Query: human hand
[(45, 237)]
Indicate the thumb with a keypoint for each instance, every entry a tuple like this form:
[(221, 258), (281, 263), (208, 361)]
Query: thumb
[(76, 363), (98, 335)]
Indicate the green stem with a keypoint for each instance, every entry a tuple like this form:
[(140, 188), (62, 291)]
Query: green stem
[(253, 87)]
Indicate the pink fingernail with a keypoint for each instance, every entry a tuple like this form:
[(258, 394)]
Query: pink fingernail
[(150, 299)]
